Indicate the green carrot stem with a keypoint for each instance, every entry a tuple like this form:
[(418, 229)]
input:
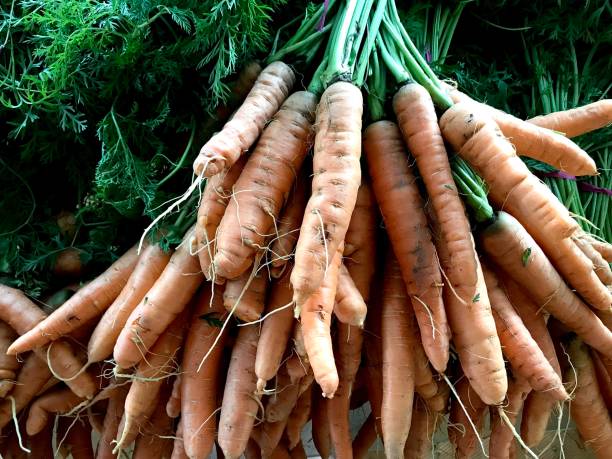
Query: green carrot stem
[(397, 70), (305, 46), (376, 88), (369, 45)]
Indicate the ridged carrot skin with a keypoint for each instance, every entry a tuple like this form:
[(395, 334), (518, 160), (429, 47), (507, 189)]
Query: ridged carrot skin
[(579, 120)]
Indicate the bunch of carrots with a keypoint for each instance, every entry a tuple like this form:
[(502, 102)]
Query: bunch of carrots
[(414, 263)]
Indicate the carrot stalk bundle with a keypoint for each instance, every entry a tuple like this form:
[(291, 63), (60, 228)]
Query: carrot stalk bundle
[(579, 120)]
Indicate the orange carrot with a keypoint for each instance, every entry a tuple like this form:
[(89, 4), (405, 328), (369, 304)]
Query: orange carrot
[(460, 432), (216, 197), (373, 356), (320, 425), (315, 315), (268, 436), (535, 417), (56, 402), (156, 439), (252, 450), (239, 89), (223, 149), (439, 402), (263, 185), (173, 407), (150, 264), (602, 247), (579, 120), (284, 398), (114, 413), (240, 400), (77, 438), (88, 303), (161, 305), (588, 409), (511, 247), (365, 438), (199, 388), (298, 451), (604, 378), (420, 439), (246, 295), (525, 356), (298, 418), (178, 449), (349, 306), (9, 365), (41, 444), (68, 263), (398, 196), (337, 175), (601, 266)]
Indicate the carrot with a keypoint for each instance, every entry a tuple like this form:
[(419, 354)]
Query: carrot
[(151, 263), (22, 315), (588, 409), (298, 451), (365, 438), (534, 141), (295, 367), (252, 450), (223, 149), (58, 401), (68, 263), (199, 388), (511, 247), (161, 305), (535, 417), (398, 197), (525, 356), (216, 197), (9, 365), (246, 296), (240, 400), (602, 247), (320, 425), (460, 431), (420, 438), (148, 381), (604, 378), (77, 438), (268, 436), (239, 89), (337, 175), (88, 303), (349, 306), (315, 315), (398, 361), (439, 402), (275, 331), (283, 399), (501, 441), (41, 444), (280, 452), (418, 122), (178, 448), (173, 407), (263, 185), (288, 226), (156, 439), (373, 356), (601, 266), (114, 413), (298, 418), (579, 120)]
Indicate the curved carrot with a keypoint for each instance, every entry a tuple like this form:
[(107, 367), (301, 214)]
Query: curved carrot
[(537, 410), (88, 303), (246, 295), (56, 402), (9, 365), (223, 149), (268, 436), (579, 120), (337, 175), (401, 205), (150, 265), (320, 425), (281, 402), (349, 306), (260, 191), (298, 418), (112, 419), (460, 432)]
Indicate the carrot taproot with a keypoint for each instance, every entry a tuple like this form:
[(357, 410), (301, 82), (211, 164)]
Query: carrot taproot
[(349, 306), (263, 186), (298, 451), (513, 249), (423, 426), (88, 303), (298, 418), (112, 419), (9, 365), (268, 436), (173, 407), (337, 175), (281, 402), (397, 323), (288, 226), (460, 431), (239, 89), (600, 266), (439, 402), (604, 248), (246, 295), (398, 196), (163, 302), (41, 444), (502, 439), (365, 438), (280, 452), (296, 368), (320, 425), (315, 314), (373, 354), (216, 197), (588, 409), (56, 402), (537, 410), (151, 263), (77, 436), (178, 448), (252, 450), (525, 356), (150, 380), (156, 438), (604, 378), (22, 315), (240, 399), (199, 388), (223, 149), (577, 121), (275, 330), (534, 141)]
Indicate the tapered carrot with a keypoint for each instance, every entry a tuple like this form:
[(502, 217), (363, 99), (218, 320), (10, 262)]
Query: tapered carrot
[(337, 175), (424, 383), (373, 355), (56, 402), (88, 303), (365, 438), (161, 305), (320, 425), (240, 400), (525, 356), (178, 448), (41, 444), (239, 89), (263, 185), (601, 266), (536, 142), (173, 407), (156, 439), (509, 245), (579, 120), (315, 315), (423, 426), (246, 295), (298, 451), (604, 378), (275, 331), (216, 197), (252, 450), (114, 412), (398, 196), (199, 388), (298, 418), (77, 437), (587, 408), (349, 306), (223, 149), (604, 248), (283, 399), (268, 436), (460, 431), (9, 365), (535, 417), (398, 361), (439, 402)]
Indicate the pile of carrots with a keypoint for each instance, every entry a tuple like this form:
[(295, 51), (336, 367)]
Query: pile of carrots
[(414, 263)]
